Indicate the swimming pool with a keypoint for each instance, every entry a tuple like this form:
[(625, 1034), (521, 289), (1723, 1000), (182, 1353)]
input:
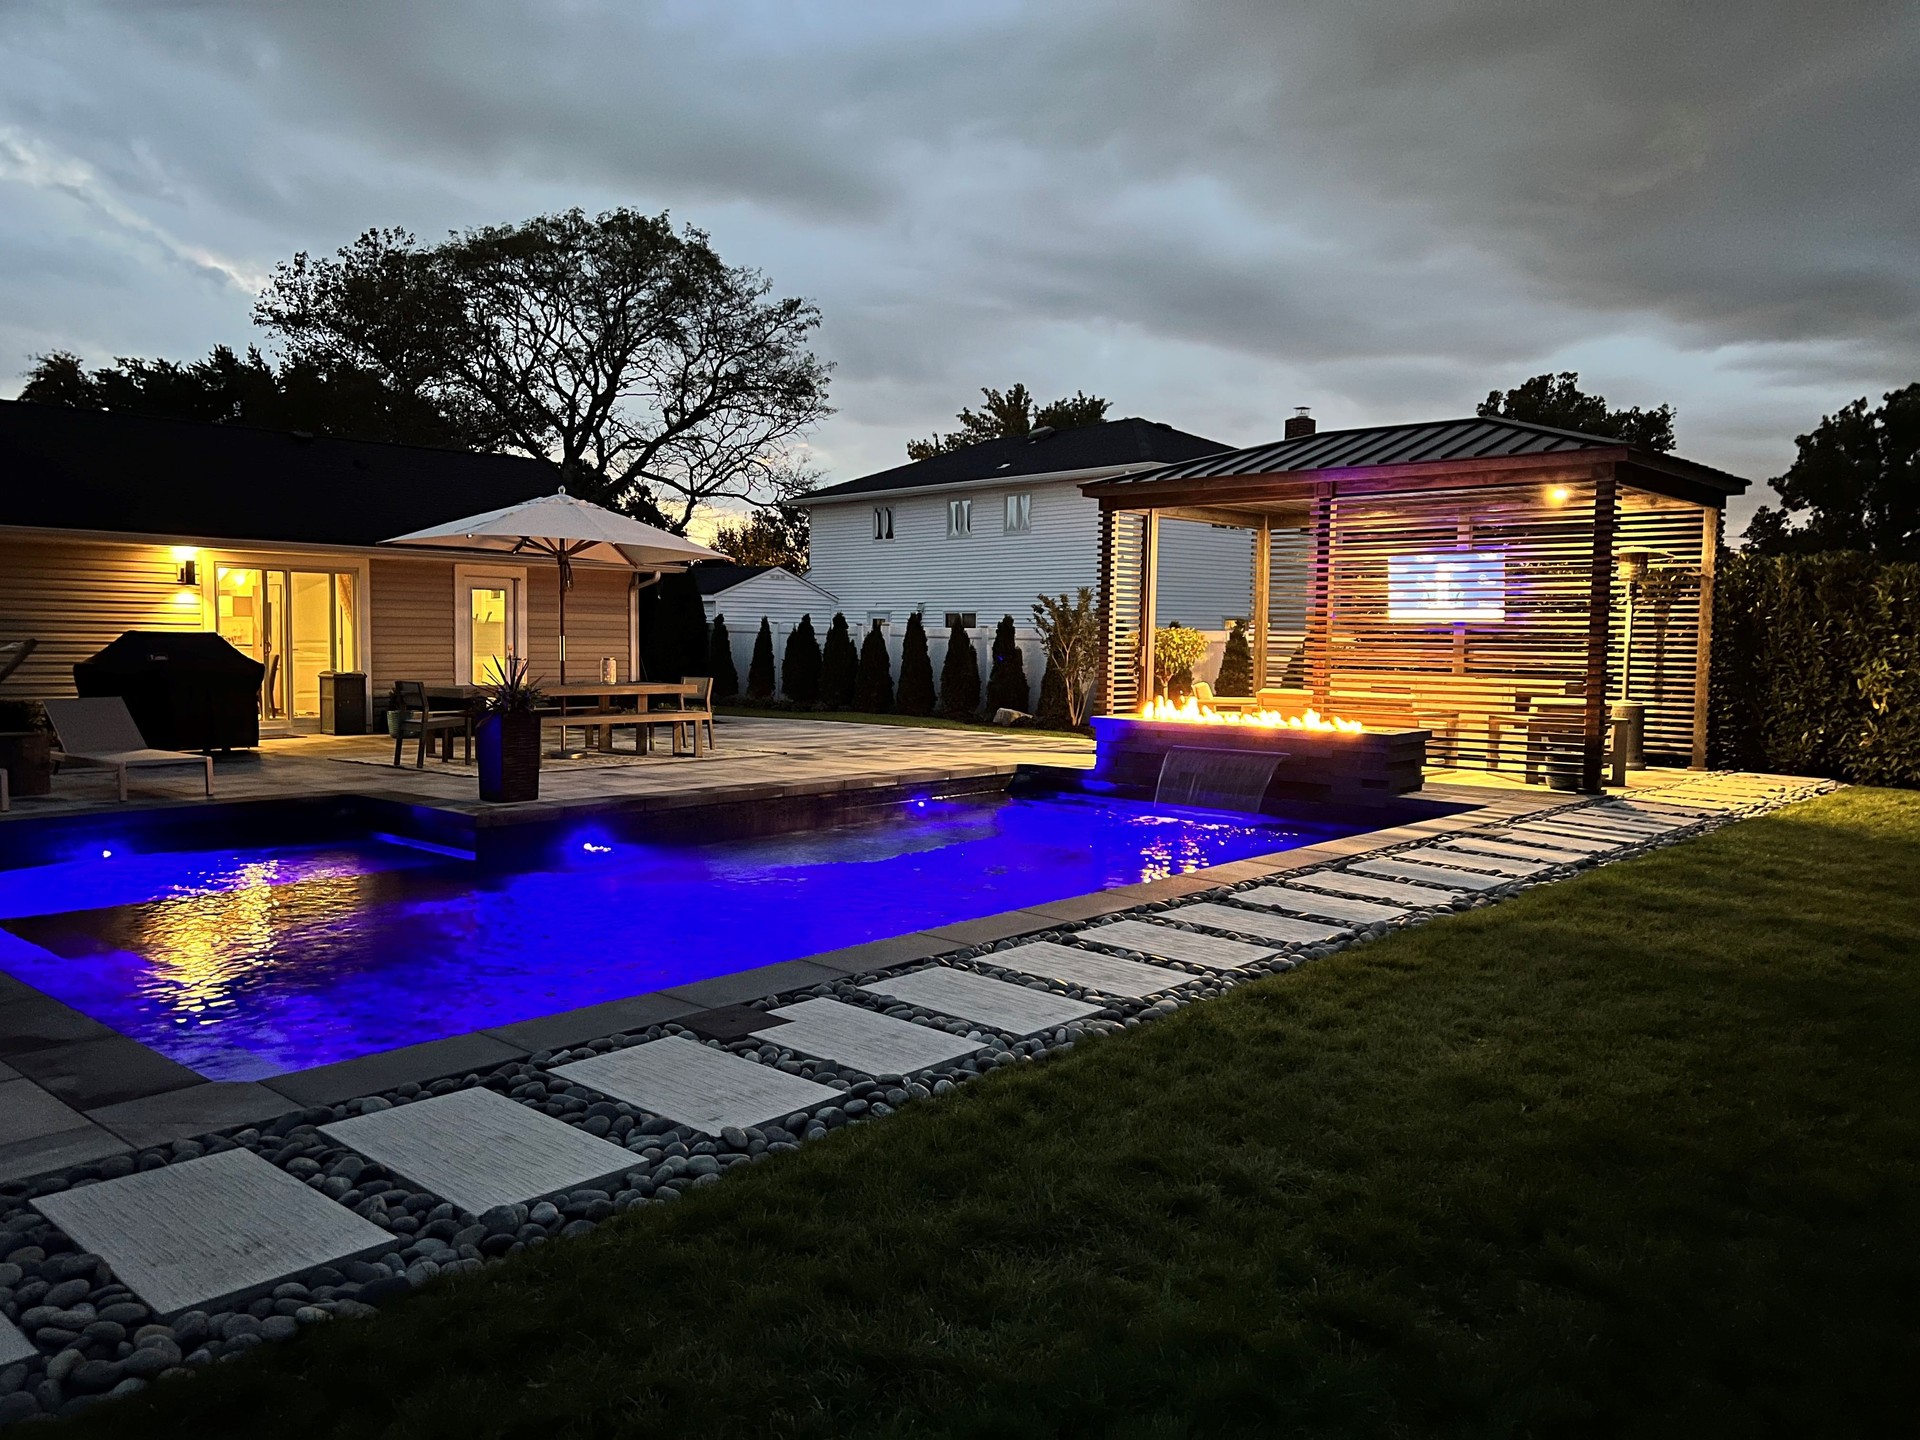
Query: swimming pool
[(245, 964)]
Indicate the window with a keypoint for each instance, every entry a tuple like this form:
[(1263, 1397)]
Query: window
[(965, 619), (883, 522), (1020, 512), (959, 517)]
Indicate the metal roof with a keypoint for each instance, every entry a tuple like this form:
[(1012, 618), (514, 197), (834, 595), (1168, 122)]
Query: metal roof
[(1474, 438)]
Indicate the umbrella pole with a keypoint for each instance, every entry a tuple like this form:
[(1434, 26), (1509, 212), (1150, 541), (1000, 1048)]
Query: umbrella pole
[(561, 561)]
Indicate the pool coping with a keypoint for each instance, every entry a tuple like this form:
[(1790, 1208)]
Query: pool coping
[(123, 1095)]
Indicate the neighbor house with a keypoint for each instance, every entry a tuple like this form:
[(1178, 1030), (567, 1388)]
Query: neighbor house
[(744, 595), (980, 532), (112, 522)]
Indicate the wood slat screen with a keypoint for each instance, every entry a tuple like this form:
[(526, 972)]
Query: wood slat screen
[(1467, 612), (1666, 620), (1290, 568), (1122, 599)]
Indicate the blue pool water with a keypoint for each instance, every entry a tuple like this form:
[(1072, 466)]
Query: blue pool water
[(243, 965)]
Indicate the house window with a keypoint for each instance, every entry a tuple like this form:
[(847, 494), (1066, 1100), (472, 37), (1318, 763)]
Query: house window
[(959, 517), (965, 619), (883, 522), (1020, 512)]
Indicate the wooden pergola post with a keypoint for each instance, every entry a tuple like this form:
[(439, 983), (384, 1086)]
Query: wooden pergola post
[(1103, 610), (1149, 602), (1262, 599), (1593, 753), (1319, 639), (1710, 521)]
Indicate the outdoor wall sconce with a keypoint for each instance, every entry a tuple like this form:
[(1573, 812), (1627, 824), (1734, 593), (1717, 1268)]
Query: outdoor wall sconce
[(189, 566)]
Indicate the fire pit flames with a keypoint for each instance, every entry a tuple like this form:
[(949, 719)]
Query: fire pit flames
[(1191, 712)]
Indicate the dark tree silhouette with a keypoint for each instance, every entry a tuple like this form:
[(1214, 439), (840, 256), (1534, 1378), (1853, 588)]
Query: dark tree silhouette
[(800, 666), (915, 696), (838, 662), (960, 676), (726, 676), (873, 689), (1856, 482), (760, 666), (1236, 664), (1007, 687), (1010, 414), (1558, 400)]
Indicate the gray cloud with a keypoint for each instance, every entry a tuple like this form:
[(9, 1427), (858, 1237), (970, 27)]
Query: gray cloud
[(1208, 212)]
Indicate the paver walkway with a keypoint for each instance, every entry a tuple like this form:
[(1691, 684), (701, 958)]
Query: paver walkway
[(877, 1044), (966, 996), (1163, 942), (694, 1085)]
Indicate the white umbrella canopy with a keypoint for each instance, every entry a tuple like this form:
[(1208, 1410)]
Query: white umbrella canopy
[(567, 529)]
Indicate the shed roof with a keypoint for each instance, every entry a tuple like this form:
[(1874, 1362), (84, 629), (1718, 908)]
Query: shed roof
[(1431, 442), (70, 469), (714, 576), (1131, 441)]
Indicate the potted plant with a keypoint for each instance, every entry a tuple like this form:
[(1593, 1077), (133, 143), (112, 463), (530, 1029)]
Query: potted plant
[(509, 735), (26, 750), (394, 713)]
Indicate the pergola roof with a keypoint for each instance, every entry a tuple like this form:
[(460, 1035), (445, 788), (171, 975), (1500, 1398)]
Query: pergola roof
[(1434, 442)]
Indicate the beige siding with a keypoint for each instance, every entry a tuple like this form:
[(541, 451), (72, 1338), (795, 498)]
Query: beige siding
[(597, 621), (75, 595), (412, 620)]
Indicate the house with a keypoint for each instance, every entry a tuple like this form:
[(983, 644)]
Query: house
[(1524, 593), (747, 594), (112, 522), (980, 532)]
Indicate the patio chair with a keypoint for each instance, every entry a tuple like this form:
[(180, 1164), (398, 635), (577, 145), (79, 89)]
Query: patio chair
[(100, 731), (419, 721), (1203, 693)]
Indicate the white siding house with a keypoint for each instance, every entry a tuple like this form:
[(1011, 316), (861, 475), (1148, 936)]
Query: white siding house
[(983, 531), (746, 594)]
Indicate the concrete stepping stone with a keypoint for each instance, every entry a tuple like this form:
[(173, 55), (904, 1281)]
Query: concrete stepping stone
[(1663, 820), (1472, 860), (1396, 868), (877, 1044), (210, 1231), (692, 1085), (479, 1149), (1512, 851), (14, 1346), (1089, 969), (1163, 942), (966, 995), (1564, 838), (1586, 830), (1281, 929), (1337, 908), (1371, 887)]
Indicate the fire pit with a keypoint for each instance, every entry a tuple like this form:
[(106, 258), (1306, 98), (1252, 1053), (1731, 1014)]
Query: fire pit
[(1313, 758)]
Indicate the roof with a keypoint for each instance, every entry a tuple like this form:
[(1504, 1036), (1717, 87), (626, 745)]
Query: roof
[(1111, 443), (714, 576), (1438, 441), (70, 469)]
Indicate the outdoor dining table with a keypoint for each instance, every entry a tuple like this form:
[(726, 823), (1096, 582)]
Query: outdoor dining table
[(573, 699)]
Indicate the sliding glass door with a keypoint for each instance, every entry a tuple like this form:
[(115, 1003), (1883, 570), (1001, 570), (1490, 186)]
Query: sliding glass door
[(296, 623)]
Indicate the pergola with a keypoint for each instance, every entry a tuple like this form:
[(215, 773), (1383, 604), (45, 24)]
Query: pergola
[(1506, 586)]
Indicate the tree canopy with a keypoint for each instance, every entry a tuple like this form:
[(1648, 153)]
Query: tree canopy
[(653, 376), (1855, 485), (1010, 414), (1558, 400), (327, 398), (772, 535)]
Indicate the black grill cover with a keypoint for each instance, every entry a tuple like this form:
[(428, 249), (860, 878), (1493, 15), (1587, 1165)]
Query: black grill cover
[(186, 690)]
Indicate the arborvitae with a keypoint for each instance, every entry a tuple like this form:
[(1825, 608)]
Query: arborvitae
[(915, 696), (873, 687), (690, 623), (760, 667), (1007, 683), (1236, 664), (726, 677), (673, 630), (1052, 706), (960, 677), (800, 666), (838, 661)]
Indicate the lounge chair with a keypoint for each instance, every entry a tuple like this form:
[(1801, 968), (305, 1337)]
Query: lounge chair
[(99, 731)]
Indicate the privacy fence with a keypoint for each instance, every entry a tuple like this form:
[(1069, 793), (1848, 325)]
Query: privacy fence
[(1816, 667)]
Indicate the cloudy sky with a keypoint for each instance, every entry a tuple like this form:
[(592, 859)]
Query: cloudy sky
[(1207, 212)]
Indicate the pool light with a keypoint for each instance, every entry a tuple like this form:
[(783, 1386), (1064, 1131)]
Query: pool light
[(592, 849)]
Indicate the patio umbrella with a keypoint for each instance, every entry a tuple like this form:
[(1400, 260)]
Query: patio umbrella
[(567, 529)]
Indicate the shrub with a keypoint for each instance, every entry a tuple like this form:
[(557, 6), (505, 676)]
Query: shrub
[(800, 666), (960, 677), (1176, 650), (726, 677), (873, 685), (1051, 708), (1070, 631), (1816, 667), (1236, 664), (1007, 682), (760, 667), (915, 696), (837, 664)]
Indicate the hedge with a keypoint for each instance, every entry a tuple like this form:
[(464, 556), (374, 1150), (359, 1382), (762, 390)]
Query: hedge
[(1816, 667)]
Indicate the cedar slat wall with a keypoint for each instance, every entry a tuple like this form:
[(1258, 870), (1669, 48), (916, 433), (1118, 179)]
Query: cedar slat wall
[(1122, 604), (411, 615), (74, 596), (1665, 662)]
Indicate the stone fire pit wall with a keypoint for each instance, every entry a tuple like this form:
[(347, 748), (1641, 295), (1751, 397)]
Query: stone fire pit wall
[(1319, 766)]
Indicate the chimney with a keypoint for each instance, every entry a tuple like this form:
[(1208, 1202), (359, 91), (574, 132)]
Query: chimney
[(1299, 423)]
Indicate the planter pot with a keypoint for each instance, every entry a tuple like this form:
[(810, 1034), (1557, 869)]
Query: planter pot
[(27, 756), (393, 722), (509, 755)]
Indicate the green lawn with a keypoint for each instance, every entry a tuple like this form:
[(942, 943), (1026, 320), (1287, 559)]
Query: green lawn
[(1630, 1155)]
